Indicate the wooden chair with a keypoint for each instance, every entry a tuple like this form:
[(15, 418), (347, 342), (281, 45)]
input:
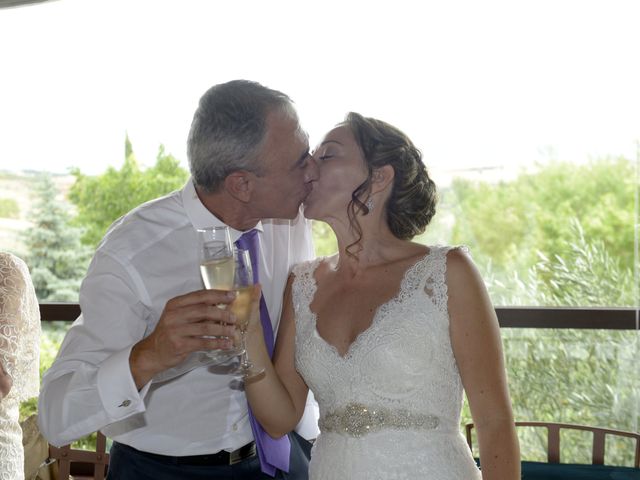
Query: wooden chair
[(555, 469), (82, 464)]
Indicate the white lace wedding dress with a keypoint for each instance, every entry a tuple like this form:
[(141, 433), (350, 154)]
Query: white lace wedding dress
[(19, 357), (390, 408)]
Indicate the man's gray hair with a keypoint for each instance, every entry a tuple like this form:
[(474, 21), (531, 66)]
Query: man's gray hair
[(228, 129)]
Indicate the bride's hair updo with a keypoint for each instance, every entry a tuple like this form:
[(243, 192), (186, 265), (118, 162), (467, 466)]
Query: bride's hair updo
[(412, 203)]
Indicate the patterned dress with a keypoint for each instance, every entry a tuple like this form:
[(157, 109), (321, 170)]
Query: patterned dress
[(19, 357), (390, 408)]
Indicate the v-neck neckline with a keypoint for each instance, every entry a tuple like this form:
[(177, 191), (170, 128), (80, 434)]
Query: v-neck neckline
[(375, 319)]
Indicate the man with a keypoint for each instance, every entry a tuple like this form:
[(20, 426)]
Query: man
[(144, 311)]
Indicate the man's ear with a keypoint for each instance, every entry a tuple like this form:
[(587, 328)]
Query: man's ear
[(239, 184), (381, 178)]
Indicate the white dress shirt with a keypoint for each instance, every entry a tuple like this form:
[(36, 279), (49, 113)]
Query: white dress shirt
[(146, 258)]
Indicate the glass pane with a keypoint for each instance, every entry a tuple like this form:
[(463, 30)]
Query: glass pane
[(526, 117), (575, 446), (558, 234), (618, 450), (584, 377), (533, 443)]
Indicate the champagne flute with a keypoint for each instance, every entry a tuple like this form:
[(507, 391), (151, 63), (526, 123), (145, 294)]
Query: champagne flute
[(217, 268), (241, 308), (216, 258)]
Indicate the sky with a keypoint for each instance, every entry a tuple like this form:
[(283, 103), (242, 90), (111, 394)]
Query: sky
[(475, 84)]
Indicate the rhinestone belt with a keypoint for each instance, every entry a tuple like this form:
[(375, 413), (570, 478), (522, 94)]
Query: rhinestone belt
[(356, 420)]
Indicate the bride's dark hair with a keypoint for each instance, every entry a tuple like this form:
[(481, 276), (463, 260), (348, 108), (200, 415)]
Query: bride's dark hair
[(412, 203)]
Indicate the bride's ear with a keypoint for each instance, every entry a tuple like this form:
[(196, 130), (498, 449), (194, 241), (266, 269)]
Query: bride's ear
[(381, 178)]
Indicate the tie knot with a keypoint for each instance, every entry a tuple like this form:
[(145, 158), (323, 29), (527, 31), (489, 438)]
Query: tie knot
[(248, 241)]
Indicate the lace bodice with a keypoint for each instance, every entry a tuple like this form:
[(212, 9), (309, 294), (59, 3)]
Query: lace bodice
[(402, 366), (19, 357)]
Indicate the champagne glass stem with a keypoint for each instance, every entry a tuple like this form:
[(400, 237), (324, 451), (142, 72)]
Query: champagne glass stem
[(246, 363), (245, 367)]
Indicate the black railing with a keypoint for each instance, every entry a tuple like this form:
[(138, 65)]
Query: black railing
[(509, 317), (587, 318)]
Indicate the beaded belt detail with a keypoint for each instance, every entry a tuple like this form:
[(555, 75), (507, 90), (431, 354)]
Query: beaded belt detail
[(356, 420)]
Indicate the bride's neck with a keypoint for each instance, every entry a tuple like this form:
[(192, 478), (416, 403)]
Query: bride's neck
[(374, 246)]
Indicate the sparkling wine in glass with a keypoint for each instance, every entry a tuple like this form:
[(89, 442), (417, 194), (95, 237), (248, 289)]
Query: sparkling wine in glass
[(241, 308), (217, 268), (216, 258)]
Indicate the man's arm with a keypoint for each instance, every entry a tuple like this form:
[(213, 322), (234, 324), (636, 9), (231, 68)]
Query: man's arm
[(80, 391), (96, 379)]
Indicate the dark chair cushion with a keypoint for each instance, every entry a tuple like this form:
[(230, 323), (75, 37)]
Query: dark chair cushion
[(571, 471)]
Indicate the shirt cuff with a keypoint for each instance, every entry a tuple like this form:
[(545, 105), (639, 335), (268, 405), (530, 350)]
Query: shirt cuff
[(116, 387)]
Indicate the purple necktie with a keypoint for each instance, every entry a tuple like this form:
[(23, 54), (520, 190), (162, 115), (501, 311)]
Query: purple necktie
[(273, 453)]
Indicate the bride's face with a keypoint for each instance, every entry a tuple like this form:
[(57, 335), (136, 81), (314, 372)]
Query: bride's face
[(342, 169)]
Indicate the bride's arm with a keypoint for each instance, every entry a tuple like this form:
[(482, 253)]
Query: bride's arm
[(475, 338), (278, 397)]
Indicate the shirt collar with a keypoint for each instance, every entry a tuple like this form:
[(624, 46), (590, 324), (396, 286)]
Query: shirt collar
[(200, 217)]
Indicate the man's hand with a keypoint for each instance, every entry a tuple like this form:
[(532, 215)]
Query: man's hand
[(186, 325)]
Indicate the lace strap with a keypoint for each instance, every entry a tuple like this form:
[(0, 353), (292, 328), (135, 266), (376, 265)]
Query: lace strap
[(430, 274), (304, 285), (303, 272)]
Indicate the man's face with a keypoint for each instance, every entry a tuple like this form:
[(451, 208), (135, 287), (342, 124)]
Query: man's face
[(288, 169)]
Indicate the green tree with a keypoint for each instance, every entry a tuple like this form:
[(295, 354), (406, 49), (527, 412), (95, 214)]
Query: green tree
[(56, 257), (561, 235), (576, 376), (324, 239), (564, 375), (510, 224), (102, 199)]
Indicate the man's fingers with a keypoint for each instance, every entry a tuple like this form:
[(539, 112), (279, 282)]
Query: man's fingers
[(202, 312), (207, 297), (199, 337), (187, 345), (202, 329), (203, 344)]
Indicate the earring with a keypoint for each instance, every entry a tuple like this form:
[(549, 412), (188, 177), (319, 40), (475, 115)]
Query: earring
[(369, 204)]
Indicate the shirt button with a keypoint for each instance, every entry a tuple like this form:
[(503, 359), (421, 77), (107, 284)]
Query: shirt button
[(235, 427), (125, 403)]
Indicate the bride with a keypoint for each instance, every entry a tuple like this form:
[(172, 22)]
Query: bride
[(387, 332)]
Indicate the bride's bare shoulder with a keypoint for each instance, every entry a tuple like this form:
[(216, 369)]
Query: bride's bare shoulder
[(324, 266)]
